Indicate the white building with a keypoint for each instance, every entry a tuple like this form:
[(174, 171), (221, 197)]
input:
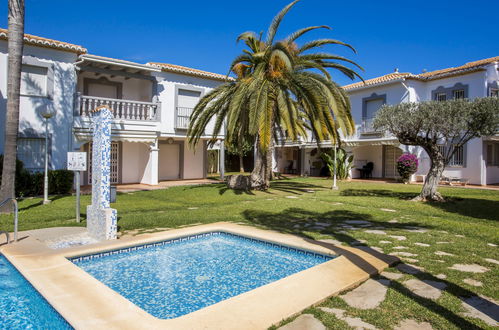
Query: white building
[(477, 161), (151, 104)]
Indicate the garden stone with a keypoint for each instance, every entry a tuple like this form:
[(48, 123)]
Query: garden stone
[(442, 253), (292, 197), (358, 242), (385, 242), (472, 282), (426, 289), (460, 236), (410, 269), (337, 203), (441, 276), (388, 210), (331, 241), (492, 261), (399, 238), (409, 324), (192, 208), (470, 268), (368, 295), (492, 244), (421, 244), (391, 276), (483, 308), (414, 229), (410, 259), (239, 182), (403, 254), (400, 247), (444, 242), (357, 222), (393, 221), (368, 248), (323, 224), (374, 231), (354, 322), (304, 321)]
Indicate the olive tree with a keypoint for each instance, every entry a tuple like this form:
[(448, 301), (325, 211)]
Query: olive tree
[(433, 124)]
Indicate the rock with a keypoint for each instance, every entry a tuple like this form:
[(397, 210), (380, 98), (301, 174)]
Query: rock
[(409, 324), (337, 203), (410, 259), (388, 210), (368, 295), (323, 224), (442, 253), (470, 268), (296, 226), (354, 322), (393, 221), (239, 182), (441, 276), (192, 208), (472, 282), (399, 238), (304, 321), (331, 241), (391, 276), (426, 289), (410, 269), (358, 242), (374, 231), (460, 236), (385, 242), (492, 244), (414, 229), (400, 247), (444, 242), (492, 261), (421, 244), (403, 254), (483, 308), (292, 197)]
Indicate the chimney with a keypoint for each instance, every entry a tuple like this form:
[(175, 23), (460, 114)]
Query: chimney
[(396, 70)]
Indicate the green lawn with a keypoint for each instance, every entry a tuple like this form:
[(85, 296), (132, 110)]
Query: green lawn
[(472, 213)]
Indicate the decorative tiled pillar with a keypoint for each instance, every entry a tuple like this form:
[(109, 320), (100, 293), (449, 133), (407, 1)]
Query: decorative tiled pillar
[(101, 219), (152, 167)]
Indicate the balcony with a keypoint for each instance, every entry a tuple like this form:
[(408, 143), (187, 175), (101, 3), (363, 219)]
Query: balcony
[(367, 127), (182, 117), (121, 109)]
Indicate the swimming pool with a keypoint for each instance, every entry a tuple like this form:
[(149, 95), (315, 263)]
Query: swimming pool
[(21, 306), (179, 276)]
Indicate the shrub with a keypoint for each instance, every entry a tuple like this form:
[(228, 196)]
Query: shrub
[(407, 164)]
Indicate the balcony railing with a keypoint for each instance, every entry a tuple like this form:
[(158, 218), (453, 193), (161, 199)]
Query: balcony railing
[(183, 117), (367, 126), (121, 109)]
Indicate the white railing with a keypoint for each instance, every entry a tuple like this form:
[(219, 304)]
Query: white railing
[(367, 126), (183, 117), (121, 109)]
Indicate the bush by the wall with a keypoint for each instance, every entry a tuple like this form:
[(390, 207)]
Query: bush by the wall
[(407, 164), (31, 184)]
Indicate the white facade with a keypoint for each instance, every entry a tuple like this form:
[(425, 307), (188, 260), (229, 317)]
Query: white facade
[(477, 162), (151, 104)]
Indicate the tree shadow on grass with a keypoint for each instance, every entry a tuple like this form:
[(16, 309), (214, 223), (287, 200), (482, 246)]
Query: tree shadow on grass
[(469, 207), (294, 187), (287, 221)]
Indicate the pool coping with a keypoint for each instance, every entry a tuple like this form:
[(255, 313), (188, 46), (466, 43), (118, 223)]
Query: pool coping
[(87, 303)]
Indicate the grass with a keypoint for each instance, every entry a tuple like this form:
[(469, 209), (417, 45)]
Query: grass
[(472, 213)]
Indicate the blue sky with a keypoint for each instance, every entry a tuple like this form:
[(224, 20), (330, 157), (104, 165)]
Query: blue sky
[(411, 36)]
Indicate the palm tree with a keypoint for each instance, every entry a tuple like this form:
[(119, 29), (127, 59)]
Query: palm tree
[(280, 90), (15, 45)]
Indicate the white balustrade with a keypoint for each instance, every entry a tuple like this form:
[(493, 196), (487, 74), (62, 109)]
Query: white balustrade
[(121, 109)]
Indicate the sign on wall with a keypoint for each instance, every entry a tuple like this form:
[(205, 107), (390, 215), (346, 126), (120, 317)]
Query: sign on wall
[(77, 161)]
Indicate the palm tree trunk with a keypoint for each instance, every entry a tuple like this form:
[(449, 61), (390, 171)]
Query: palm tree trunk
[(262, 172), (15, 45), (241, 164)]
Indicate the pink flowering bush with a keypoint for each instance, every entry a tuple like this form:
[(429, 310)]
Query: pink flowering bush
[(407, 164)]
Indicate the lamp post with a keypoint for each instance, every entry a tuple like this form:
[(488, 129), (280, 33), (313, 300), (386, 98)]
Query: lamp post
[(334, 187), (47, 114)]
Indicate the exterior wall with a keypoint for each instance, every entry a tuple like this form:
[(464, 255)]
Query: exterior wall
[(475, 82), (363, 155), (133, 161), (31, 124), (133, 89)]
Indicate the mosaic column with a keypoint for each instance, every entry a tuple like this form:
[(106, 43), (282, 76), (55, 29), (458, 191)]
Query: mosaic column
[(101, 219)]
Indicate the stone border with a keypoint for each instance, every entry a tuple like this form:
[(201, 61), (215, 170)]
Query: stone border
[(85, 302)]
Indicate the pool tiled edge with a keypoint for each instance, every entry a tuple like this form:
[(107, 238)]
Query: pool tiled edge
[(87, 303)]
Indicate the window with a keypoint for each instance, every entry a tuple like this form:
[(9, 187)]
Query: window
[(32, 153), (33, 80), (493, 154), (441, 97), (186, 101), (494, 92), (457, 158), (458, 94)]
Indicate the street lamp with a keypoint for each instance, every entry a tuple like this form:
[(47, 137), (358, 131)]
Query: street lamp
[(334, 187), (46, 113)]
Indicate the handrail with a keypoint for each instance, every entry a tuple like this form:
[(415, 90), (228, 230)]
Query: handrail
[(116, 100), (16, 218)]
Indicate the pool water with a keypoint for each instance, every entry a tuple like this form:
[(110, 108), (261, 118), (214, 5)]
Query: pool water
[(21, 306), (177, 277)]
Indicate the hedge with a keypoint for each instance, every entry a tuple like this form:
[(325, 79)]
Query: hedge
[(31, 184)]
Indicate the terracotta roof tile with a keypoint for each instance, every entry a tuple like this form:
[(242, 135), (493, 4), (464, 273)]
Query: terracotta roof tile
[(437, 74), (190, 71), (47, 43)]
